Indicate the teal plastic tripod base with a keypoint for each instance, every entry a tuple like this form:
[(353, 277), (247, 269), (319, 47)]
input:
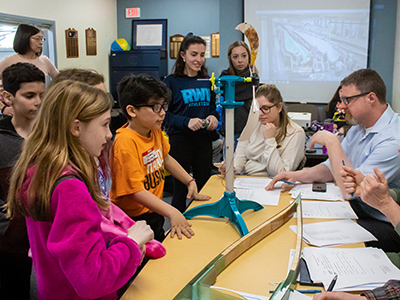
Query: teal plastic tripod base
[(227, 207)]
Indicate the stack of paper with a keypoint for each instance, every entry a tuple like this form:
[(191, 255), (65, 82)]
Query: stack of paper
[(294, 295), (327, 210), (357, 269), (254, 189), (251, 183), (332, 192), (334, 233), (244, 295)]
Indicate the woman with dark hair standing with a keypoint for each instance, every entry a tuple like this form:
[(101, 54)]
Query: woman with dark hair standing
[(191, 116), (28, 44), (239, 64)]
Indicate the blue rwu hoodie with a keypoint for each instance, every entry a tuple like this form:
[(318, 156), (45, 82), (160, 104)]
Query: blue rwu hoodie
[(191, 98)]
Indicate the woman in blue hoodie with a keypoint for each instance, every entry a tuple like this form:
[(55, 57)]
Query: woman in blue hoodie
[(192, 118)]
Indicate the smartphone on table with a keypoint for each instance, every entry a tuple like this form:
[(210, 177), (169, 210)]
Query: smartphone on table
[(319, 187)]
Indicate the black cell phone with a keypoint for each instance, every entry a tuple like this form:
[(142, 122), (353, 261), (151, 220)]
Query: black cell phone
[(319, 187)]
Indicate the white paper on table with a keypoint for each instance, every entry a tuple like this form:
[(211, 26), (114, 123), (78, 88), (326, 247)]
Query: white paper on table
[(327, 210), (260, 196), (333, 233), (332, 192), (295, 295), (245, 295), (253, 183), (357, 268)]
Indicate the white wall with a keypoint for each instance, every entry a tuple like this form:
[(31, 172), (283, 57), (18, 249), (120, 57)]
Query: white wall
[(396, 71), (79, 14), (102, 16)]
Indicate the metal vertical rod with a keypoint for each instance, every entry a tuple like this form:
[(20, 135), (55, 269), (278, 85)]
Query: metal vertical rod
[(229, 142)]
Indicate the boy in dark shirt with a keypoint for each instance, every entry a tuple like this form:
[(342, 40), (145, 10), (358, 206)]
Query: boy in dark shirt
[(24, 86)]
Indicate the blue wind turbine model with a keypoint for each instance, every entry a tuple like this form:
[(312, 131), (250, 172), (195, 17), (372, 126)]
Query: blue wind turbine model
[(228, 206)]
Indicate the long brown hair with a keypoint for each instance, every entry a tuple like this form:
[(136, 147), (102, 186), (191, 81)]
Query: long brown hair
[(179, 67), (90, 77), (273, 95), (232, 46), (51, 147)]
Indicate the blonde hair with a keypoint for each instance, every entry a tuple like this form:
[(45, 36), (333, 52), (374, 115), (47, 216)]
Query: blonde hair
[(273, 95), (51, 146)]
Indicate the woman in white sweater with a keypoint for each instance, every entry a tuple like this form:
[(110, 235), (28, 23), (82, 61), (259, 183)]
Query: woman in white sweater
[(276, 144)]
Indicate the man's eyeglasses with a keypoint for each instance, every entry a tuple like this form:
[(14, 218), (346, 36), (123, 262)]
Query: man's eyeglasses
[(267, 109), (346, 100), (38, 39), (155, 107)]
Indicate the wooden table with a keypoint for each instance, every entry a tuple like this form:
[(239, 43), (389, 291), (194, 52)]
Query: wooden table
[(256, 271)]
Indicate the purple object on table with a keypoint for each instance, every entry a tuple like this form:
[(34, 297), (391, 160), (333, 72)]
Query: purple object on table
[(328, 125)]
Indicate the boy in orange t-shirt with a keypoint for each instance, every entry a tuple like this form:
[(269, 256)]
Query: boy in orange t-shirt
[(140, 154)]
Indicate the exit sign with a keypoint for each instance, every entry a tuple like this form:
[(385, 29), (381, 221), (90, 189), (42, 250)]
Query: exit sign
[(132, 12)]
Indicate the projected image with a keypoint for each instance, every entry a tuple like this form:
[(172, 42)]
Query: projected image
[(321, 45)]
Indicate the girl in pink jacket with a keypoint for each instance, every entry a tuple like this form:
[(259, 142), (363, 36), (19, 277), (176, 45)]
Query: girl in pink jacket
[(82, 246)]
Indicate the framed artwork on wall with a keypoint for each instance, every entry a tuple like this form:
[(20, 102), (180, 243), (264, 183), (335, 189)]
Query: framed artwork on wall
[(149, 34)]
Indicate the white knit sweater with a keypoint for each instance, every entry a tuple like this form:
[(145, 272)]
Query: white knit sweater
[(264, 157)]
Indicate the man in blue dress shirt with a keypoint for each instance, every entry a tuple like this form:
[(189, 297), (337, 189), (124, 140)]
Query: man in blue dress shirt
[(371, 142)]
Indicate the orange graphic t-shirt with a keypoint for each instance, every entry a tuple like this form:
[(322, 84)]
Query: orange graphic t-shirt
[(137, 163)]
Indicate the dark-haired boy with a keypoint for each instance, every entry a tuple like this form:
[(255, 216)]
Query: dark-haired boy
[(140, 154), (24, 86)]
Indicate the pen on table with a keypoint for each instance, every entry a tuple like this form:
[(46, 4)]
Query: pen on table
[(332, 284), (285, 181), (351, 194), (305, 291)]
